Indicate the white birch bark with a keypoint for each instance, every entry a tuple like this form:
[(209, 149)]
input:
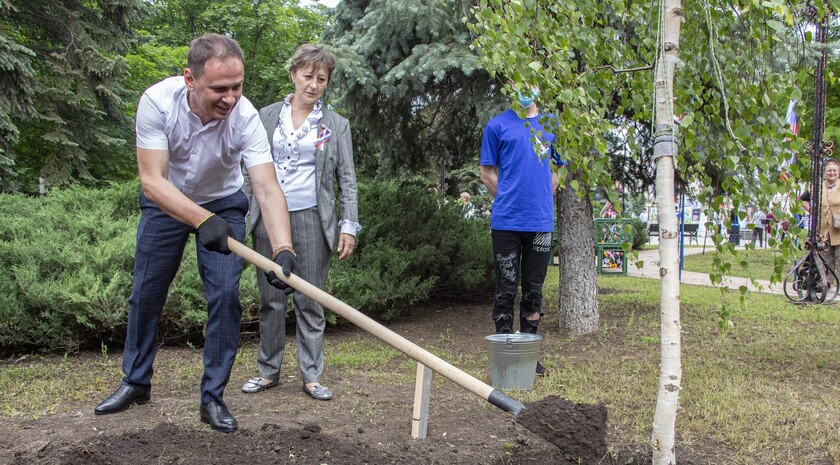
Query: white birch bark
[(670, 377)]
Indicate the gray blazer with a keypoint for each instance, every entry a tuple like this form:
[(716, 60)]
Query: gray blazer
[(333, 164)]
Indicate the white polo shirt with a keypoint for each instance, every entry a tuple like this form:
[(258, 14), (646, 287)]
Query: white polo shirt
[(204, 160)]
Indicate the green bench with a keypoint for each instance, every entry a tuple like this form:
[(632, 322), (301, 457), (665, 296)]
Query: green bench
[(609, 234)]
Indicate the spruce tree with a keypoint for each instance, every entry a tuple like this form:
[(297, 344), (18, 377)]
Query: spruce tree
[(62, 115), (414, 91), (16, 75)]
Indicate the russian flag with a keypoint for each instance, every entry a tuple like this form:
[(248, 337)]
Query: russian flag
[(792, 118)]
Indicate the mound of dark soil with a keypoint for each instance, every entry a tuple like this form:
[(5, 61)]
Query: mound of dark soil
[(578, 430)]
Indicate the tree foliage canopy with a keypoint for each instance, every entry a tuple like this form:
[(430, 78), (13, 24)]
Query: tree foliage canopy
[(268, 31), (730, 97), (417, 94), (63, 94), (73, 72)]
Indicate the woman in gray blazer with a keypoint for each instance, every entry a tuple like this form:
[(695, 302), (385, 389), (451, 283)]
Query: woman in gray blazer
[(312, 151)]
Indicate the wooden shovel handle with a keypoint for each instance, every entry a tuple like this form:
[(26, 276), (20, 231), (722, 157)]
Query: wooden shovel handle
[(386, 335)]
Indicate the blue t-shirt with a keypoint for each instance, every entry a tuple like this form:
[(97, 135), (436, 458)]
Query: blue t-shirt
[(524, 198)]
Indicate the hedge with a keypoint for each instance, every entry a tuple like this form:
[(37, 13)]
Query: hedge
[(68, 258)]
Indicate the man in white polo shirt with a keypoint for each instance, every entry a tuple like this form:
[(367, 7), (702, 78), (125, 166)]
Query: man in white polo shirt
[(192, 134)]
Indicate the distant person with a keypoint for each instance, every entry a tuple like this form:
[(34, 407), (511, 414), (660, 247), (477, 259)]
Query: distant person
[(804, 220), (643, 217), (192, 134), (439, 191), (829, 208), (719, 219), (758, 226), (522, 221), (735, 227), (608, 211), (313, 154), (769, 224), (785, 227), (466, 205)]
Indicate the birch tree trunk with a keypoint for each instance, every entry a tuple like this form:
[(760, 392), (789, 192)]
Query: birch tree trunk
[(665, 152), (578, 281)]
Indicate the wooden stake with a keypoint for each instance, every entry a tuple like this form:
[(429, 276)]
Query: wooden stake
[(422, 386)]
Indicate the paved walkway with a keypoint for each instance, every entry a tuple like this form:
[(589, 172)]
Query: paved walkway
[(651, 270)]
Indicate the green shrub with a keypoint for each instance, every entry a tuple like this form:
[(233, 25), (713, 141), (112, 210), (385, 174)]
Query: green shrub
[(68, 262), (68, 259), (411, 250), (640, 234)]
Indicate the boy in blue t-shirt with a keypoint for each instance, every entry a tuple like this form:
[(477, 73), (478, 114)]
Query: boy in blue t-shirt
[(517, 172)]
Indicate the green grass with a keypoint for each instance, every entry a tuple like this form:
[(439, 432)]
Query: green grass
[(765, 391), (760, 263), (360, 354), (34, 386)]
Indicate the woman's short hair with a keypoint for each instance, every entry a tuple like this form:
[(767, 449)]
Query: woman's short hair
[(312, 56)]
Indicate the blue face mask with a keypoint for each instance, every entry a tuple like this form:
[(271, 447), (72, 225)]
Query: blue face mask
[(527, 101)]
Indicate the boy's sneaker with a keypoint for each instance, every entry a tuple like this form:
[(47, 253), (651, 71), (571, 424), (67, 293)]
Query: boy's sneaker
[(541, 371)]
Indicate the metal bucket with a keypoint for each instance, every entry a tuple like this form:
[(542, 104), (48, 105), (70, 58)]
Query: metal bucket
[(513, 359)]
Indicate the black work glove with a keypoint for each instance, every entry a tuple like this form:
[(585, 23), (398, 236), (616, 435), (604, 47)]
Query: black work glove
[(213, 233), (287, 260)]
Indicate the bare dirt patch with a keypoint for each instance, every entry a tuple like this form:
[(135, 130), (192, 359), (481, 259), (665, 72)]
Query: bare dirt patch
[(368, 422)]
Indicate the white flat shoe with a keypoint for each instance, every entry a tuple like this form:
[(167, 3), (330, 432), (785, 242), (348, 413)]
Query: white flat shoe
[(255, 385), (319, 392)]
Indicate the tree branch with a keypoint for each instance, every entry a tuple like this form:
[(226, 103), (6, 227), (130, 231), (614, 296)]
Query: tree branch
[(619, 71)]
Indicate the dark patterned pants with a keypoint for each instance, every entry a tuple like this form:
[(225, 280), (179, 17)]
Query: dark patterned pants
[(519, 255)]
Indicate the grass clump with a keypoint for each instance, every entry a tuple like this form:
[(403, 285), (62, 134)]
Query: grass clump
[(762, 391)]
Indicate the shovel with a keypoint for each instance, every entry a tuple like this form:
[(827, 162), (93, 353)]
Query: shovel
[(477, 387), (577, 429)]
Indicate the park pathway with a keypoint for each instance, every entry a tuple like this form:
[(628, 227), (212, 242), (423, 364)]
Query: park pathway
[(651, 270)]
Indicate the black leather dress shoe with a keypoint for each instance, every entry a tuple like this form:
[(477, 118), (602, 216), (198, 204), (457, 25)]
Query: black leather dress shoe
[(218, 417), (122, 399)]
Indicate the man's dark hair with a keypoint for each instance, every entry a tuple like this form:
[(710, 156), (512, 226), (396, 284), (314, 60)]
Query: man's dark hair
[(209, 46)]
